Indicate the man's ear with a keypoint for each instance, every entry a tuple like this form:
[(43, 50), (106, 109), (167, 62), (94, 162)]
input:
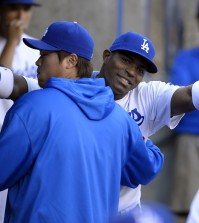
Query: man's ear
[(71, 60), (106, 55)]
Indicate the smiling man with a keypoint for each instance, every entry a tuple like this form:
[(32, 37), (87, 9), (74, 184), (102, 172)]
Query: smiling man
[(126, 62)]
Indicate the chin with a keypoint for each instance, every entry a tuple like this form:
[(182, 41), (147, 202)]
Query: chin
[(41, 84), (121, 91)]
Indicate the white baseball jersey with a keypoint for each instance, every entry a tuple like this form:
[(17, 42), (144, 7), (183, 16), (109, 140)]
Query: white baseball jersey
[(149, 105), (23, 64)]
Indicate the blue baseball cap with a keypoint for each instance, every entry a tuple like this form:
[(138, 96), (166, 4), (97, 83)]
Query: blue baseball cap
[(136, 43), (67, 36), (26, 2)]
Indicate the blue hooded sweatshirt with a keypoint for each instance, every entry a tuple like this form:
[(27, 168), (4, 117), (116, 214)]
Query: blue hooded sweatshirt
[(65, 149)]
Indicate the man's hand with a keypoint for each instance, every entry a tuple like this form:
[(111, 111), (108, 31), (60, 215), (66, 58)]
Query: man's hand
[(15, 30)]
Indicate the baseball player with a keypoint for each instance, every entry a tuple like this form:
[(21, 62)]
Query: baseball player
[(152, 105), (15, 16), (69, 165)]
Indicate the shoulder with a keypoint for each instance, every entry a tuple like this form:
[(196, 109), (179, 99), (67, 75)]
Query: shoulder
[(153, 86), (31, 99), (37, 103), (153, 90)]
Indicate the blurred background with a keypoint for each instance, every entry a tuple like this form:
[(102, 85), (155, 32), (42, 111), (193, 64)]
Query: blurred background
[(170, 24)]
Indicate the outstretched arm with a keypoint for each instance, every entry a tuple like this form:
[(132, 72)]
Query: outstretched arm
[(13, 86), (20, 87), (184, 74), (182, 102)]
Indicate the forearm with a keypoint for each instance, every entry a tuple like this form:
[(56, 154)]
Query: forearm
[(143, 165), (7, 54), (20, 87), (181, 101), (11, 86)]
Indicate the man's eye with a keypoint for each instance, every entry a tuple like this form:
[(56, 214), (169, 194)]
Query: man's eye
[(140, 70), (17, 8), (12, 8), (27, 8)]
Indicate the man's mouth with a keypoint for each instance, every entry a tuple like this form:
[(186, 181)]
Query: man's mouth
[(124, 81)]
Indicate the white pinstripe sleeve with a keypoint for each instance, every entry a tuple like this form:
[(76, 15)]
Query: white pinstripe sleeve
[(32, 84)]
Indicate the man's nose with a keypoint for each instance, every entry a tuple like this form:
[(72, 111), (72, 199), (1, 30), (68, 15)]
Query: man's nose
[(131, 70), (38, 62)]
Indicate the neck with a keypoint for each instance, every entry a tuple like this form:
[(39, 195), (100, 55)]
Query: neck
[(100, 75), (102, 72), (119, 96)]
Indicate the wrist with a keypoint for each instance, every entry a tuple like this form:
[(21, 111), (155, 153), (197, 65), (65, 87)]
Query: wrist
[(195, 94), (12, 42)]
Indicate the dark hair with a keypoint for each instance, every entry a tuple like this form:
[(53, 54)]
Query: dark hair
[(84, 66)]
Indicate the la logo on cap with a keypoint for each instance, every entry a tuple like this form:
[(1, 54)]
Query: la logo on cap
[(45, 32), (145, 46)]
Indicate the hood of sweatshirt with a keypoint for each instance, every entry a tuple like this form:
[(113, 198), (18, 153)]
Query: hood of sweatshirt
[(91, 95)]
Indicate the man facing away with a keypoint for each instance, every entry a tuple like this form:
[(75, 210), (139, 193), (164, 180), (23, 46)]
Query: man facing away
[(74, 154)]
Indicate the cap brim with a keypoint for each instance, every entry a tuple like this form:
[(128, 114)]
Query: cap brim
[(32, 4), (39, 45), (151, 67)]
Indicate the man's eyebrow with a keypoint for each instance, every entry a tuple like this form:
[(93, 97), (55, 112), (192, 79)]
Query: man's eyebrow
[(136, 59), (143, 66), (43, 52)]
